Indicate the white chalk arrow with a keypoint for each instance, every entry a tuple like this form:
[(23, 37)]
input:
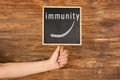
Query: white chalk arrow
[(63, 34)]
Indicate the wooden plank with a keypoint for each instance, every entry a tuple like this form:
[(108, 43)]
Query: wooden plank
[(97, 59)]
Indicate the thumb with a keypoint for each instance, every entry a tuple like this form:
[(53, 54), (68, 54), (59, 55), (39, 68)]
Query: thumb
[(57, 49), (56, 53)]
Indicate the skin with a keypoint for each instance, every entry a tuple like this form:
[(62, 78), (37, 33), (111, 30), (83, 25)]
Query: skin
[(14, 70)]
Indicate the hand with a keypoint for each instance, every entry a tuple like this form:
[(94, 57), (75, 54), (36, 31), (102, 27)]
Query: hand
[(58, 59), (13, 70)]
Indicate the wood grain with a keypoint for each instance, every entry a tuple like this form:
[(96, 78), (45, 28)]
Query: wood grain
[(97, 59)]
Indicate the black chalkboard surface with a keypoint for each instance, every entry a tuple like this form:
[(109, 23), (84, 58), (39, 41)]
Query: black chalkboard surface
[(61, 25)]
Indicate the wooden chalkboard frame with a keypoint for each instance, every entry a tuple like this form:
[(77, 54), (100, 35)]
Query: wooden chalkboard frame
[(61, 7)]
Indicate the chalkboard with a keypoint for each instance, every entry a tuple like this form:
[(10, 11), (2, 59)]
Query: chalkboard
[(61, 25)]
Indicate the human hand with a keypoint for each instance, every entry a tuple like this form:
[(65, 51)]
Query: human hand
[(58, 59)]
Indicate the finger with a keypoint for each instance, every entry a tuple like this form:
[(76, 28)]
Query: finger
[(57, 49), (55, 53), (64, 52), (63, 64), (63, 60), (63, 57)]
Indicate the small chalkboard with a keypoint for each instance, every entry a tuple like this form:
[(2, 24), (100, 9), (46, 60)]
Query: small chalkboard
[(61, 25)]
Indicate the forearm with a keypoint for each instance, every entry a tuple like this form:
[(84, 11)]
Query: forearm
[(12, 70)]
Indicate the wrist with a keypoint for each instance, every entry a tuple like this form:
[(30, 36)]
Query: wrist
[(52, 65)]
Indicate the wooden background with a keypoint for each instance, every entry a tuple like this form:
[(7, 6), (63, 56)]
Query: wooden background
[(97, 59)]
